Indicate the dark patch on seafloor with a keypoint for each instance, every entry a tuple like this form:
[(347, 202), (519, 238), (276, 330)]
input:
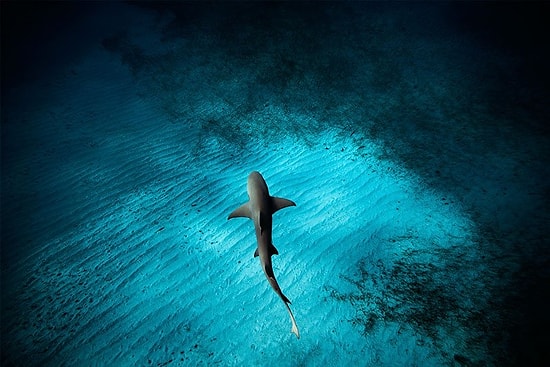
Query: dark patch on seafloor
[(499, 311)]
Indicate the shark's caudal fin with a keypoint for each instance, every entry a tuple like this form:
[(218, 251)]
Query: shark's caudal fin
[(241, 211), (292, 319), (294, 326), (280, 203)]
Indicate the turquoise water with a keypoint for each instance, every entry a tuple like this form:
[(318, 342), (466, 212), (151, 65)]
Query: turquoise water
[(413, 139)]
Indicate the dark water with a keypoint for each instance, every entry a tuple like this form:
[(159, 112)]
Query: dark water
[(413, 137)]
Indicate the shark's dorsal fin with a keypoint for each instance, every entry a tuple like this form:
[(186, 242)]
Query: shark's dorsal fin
[(241, 211), (273, 250), (262, 222), (280, 203)]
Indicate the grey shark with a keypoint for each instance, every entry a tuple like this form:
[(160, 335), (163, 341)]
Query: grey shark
[(260, 209)]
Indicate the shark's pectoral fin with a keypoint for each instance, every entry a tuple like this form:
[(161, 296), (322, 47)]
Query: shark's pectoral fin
[(280, 203), (272, 250), (241, 211), (256, 254)]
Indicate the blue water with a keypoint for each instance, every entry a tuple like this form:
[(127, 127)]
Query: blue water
[(413, 138)]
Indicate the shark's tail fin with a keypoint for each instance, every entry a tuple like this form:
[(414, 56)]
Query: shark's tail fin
[(294, 326), (295, 330)]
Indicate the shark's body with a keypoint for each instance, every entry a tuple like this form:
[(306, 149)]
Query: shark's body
[(260, 209)]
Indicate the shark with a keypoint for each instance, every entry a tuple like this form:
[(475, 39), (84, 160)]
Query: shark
[(260, 208)]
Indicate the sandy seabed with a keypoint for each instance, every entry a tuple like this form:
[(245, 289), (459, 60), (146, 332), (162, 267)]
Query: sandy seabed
[(415, 220)]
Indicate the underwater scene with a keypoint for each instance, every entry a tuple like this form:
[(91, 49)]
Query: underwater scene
[(385, 166)]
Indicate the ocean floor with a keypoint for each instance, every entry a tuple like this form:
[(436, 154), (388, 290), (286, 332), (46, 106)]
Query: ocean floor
[(413, 138)]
